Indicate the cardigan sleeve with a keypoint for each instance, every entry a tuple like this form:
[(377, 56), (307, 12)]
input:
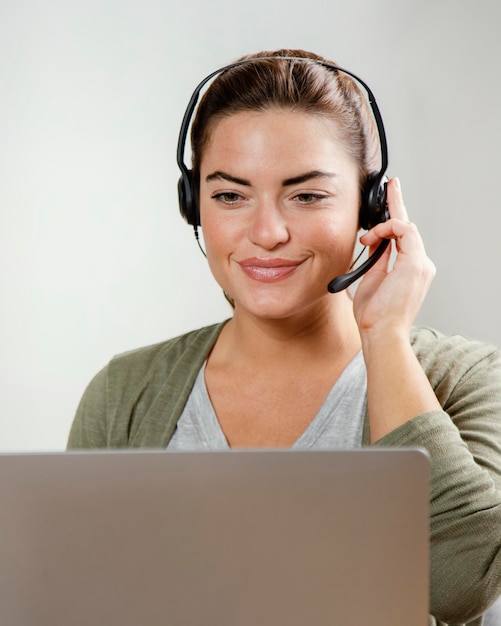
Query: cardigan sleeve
[(464, 443)]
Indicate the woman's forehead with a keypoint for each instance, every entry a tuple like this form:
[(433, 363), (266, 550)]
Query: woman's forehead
[(279, 134)]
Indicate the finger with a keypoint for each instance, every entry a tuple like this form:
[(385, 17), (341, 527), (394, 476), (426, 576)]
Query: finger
[(394, 228), (405, 234), (395, 200)]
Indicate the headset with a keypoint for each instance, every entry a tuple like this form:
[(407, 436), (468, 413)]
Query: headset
[(373, 207)]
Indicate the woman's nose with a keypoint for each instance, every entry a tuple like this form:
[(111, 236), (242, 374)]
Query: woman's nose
[(268, 227)]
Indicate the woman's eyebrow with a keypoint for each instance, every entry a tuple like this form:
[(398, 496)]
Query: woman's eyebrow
[(295, 180), (302, 178), (224, 176)]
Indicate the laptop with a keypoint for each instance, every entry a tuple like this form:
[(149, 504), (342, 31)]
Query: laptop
[(247, 538)]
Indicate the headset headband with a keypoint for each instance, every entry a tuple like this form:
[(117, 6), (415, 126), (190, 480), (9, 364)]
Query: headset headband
[(183, 132)]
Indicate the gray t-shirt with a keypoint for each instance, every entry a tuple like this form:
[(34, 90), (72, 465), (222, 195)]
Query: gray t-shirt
[(338, 424)]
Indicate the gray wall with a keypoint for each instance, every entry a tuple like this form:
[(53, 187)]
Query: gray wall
[(94, 256)]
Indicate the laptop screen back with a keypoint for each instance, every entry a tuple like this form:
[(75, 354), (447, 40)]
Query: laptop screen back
[(268, 538)]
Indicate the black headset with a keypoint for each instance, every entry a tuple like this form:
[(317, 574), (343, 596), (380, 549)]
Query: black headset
[(373, 208)]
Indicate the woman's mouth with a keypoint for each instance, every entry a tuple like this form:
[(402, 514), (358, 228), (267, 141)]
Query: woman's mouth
[(268, 270)]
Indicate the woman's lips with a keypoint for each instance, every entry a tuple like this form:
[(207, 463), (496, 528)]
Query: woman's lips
[(268, 270)]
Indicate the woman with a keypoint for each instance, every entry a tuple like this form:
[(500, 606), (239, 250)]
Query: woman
[(282, 150)]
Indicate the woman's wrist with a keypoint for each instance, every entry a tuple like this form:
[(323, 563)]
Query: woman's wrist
[(377, 341), (397, 387)]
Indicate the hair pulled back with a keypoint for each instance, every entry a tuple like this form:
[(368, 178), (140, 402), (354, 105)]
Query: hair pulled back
[(275, 82)]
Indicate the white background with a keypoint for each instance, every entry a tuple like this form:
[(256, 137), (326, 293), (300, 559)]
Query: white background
[(94, 257)]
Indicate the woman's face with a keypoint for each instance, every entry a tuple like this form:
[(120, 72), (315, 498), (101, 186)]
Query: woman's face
[(279, 204)]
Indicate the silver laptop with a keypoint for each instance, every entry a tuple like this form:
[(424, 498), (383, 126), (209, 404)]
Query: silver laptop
[(254, 538)]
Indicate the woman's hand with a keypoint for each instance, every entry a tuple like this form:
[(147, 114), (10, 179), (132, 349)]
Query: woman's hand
[(389, 298)]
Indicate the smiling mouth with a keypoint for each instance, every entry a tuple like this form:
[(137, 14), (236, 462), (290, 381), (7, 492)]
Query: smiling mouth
[(268, 270)]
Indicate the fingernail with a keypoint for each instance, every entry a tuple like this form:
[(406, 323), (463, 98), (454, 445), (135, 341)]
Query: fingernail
[(397, 183)]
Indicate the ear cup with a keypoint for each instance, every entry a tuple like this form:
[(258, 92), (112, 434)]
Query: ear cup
[(188, 198), (373, 209)]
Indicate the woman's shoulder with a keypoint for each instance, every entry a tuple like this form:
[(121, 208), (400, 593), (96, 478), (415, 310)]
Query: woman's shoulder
[(453, 355), (121, 394), (427, 340), (171, 350)]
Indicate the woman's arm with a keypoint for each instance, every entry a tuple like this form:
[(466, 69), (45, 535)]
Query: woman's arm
[(464, 443), (451, 406)]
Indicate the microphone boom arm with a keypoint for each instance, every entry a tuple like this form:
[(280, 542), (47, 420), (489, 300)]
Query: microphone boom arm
[(345, 280)]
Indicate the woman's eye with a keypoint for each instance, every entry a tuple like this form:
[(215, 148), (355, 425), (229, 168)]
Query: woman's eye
[(309, 198), (227, 197)]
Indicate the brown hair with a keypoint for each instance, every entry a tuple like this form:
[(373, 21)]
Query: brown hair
[(290, 83)]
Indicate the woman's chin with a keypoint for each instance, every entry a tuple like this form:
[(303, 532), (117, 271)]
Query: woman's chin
[(276, 306)]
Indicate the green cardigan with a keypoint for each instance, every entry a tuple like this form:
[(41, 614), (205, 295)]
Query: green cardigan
[(136, 400)]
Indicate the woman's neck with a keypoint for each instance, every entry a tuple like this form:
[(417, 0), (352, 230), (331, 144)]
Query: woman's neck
[(326, 333)]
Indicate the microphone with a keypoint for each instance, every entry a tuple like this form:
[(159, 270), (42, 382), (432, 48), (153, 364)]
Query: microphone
[(345, 280)]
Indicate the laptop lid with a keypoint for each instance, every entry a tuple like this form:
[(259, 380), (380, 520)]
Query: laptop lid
[(268, 538)]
